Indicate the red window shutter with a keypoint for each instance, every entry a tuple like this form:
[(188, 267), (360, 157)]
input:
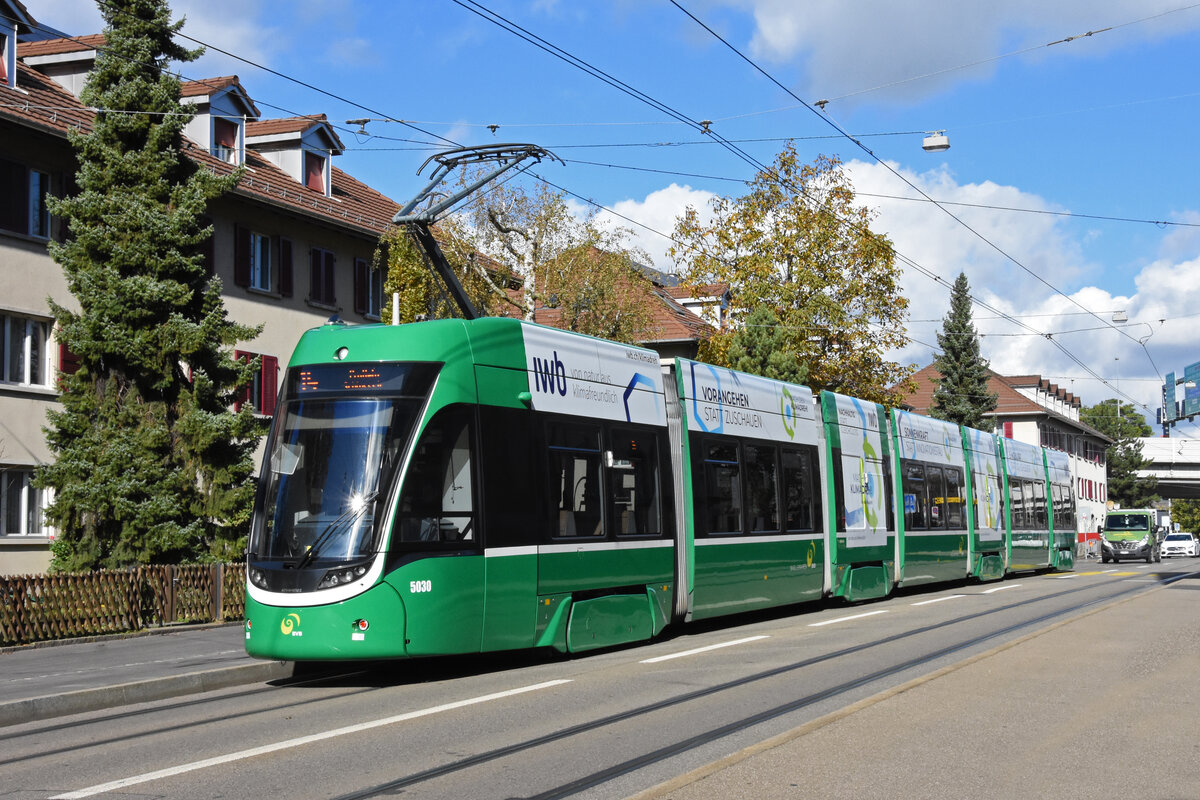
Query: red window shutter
[(314, 172), (1008, 430), (241, 256), (68, 362), (270, 382), (330, 262), (225, 132), (285, 267), (360, 286)]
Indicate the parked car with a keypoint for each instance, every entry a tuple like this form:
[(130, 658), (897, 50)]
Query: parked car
[(1179, 544)]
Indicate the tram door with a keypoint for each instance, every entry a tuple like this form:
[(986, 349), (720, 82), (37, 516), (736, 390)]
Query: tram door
[(441, 577)]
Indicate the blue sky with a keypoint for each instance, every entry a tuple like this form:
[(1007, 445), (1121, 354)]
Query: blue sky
[(1091, 137)]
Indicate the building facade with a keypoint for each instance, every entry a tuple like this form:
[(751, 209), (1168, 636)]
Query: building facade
[(292, 244)]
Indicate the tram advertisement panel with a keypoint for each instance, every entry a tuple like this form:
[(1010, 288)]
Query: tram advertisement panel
[(928, 439), (862, 471), (1024, 461), (733, 403), (985, 481), (586, 377)]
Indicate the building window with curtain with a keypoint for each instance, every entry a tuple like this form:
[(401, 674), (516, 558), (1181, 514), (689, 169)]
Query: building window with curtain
[(23, 351), (21, 503)]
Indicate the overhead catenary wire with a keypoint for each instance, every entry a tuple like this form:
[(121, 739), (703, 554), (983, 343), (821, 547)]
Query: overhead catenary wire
[(896, 173), (598, 74)]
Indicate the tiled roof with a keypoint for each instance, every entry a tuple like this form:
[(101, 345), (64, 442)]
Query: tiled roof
[(274, 127), (669, 321), (53, 47), (43, 103), (271, 127), (1009, 402), (208, 86), (46, 105)]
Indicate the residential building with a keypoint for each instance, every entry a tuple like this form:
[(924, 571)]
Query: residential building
[(291, 244), (1031, 409)]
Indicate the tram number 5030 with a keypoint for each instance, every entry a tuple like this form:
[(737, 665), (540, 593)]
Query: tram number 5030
[(416, 587)]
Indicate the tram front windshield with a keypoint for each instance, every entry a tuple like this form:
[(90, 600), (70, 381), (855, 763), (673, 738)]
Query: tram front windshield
[(334, 451)]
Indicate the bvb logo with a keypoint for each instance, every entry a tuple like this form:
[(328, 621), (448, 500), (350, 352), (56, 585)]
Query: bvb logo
[(289, 623), (787, 409)]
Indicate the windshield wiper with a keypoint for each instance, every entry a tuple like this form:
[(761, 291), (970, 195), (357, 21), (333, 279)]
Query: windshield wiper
[(345, 518)]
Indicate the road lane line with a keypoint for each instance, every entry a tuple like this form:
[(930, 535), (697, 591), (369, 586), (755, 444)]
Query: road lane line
[(113, 786), (1000, 588), (846, 619), (702, 649), (939, 599)]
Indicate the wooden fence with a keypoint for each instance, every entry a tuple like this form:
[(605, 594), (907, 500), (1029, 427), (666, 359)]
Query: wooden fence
[(60, 606)]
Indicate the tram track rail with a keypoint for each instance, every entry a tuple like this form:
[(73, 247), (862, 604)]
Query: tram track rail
[(333, 678), (749, 721)]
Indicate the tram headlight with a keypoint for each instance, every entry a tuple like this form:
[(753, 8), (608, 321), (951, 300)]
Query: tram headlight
[(258, 578), (342, 575)]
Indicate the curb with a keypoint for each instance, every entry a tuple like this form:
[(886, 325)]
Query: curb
[(33, 709)]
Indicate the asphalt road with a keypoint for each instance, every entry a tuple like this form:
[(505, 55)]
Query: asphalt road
[(1012, 689)]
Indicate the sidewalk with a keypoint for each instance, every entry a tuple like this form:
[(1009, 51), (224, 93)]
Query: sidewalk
[(1106, 705), (52, 679)]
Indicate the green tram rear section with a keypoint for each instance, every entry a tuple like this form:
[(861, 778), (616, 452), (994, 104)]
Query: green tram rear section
[(468, 486)]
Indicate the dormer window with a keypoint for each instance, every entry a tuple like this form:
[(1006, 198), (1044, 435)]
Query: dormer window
[(225, 140), (314, 171), (6, 69)]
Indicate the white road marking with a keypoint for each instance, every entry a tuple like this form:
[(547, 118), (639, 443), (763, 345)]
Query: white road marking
[(113, 786), (1000, 588), (1065, 577), (703, 649), (846, 619), (939, 599)]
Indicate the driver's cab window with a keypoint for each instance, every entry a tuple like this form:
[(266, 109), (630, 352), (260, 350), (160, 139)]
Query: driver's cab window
[(437, 504)]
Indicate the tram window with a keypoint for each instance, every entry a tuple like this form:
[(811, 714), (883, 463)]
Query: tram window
[(935, 484), (574, 479), (762, 490), (955, 519), (723, 487), (511, 499), (915, 497), (633, 483), (1039, 504), (437, 504), (799, 493)]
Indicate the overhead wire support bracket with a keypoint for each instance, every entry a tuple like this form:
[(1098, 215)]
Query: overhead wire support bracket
[(506, 156)]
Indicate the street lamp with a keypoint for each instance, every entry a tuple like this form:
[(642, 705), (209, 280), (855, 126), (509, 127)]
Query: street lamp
[(935, 142)]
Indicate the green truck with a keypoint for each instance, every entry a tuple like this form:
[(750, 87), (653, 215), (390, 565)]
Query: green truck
[(1129, 534)]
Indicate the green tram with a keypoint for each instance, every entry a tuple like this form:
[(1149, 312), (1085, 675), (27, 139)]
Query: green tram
[(459, 486)]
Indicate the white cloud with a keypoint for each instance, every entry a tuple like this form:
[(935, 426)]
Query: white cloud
[(870, 43), (657, 212), (1166, 289)]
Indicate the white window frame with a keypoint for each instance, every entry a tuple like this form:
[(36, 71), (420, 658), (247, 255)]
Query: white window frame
[(260, 261), (14, 329), (30, 503)]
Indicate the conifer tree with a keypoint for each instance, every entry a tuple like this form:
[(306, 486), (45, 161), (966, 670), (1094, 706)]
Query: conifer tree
[(764, 347), (962, 394), (151, 464)]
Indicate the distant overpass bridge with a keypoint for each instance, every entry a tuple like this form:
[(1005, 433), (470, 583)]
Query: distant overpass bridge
[(1176, 464)]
